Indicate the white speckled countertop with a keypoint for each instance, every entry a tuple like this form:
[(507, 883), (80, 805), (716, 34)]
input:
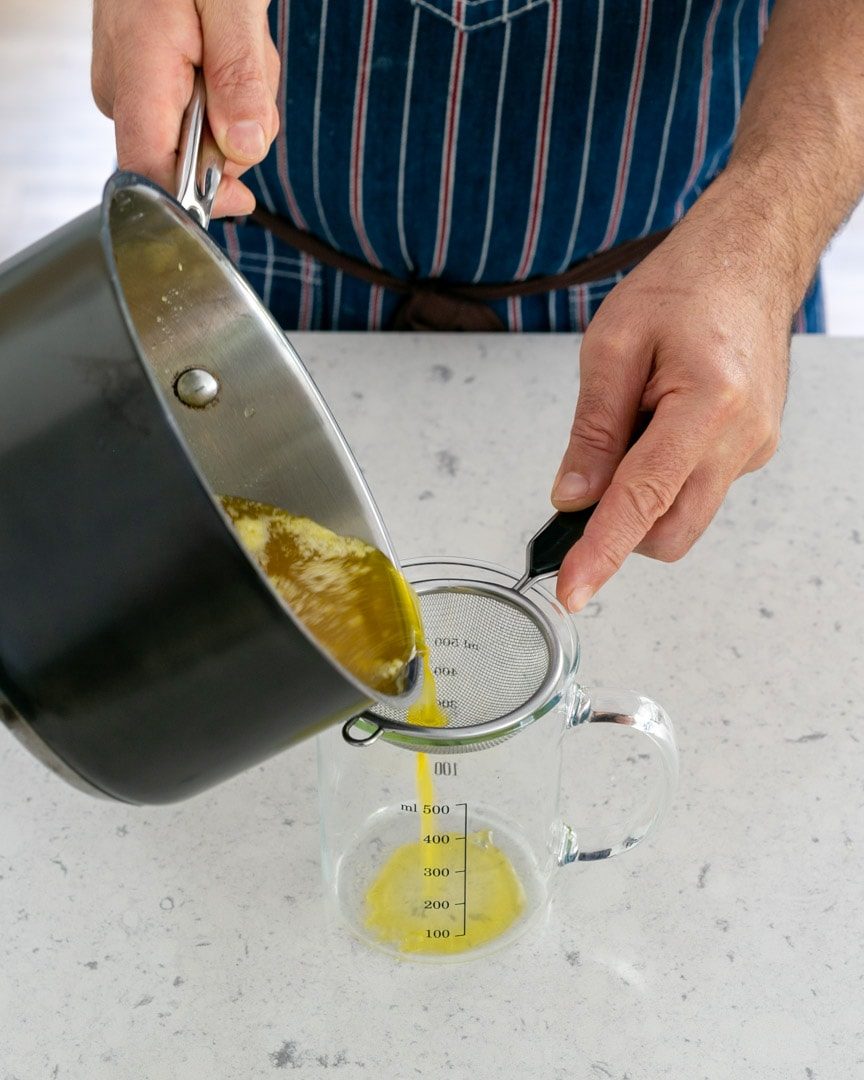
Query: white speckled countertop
[(188, 942)]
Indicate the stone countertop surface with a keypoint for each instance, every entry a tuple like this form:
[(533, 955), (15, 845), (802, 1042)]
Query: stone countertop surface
[(190, 941)]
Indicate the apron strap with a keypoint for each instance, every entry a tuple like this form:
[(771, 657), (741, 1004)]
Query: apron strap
[(433, 304)]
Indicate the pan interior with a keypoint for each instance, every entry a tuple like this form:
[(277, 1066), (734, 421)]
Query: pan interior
[(268, 436)]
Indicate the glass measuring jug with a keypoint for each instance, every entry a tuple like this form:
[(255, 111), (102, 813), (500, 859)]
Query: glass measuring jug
[(450, 849)]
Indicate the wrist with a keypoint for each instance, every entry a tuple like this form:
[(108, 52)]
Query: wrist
[(758, 234)]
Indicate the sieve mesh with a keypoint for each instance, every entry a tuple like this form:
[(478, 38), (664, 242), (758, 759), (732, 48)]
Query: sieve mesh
[(488, 652)]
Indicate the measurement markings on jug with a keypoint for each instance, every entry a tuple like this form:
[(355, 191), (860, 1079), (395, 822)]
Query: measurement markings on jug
[(464, 871)]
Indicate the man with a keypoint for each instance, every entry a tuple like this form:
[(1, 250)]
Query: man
[(506, 140)]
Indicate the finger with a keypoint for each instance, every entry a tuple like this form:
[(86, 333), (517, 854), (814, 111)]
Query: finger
[(239, 74), (102, 84), (766, 449), (101, 63), (274, 70), (672, 535), (613, 374), (148, 116), (104, 101), (643, 489), (233, 199), (152, 91)]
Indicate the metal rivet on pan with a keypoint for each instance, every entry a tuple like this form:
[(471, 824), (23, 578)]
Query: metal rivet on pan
[(196, 387)]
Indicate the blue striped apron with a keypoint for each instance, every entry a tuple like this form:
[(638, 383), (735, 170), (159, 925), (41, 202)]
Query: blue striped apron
[(489, 140)]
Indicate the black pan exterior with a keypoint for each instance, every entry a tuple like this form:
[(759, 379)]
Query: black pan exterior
[(137, 640)]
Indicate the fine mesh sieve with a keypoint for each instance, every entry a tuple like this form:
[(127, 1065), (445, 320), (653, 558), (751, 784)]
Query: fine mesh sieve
[(496, 659), (488, 653), (496, 655)]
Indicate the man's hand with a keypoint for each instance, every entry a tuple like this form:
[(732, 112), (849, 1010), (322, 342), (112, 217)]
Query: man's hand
[(697, 334), (144, 56)]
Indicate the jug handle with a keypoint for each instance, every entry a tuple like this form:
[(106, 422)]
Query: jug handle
[(200, 162), (596, 705)]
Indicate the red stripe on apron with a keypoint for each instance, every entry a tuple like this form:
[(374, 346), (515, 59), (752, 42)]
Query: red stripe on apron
[(626, 153), (358, 135), (451, 135), (282, 143), (702, 113), (541, 153)]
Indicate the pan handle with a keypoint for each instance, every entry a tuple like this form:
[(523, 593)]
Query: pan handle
[(200, 162)]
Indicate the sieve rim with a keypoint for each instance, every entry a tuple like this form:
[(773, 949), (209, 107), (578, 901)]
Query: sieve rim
[(544, 698)]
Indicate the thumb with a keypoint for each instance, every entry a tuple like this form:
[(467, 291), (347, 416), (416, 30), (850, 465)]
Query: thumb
[(613, 373), (240, 72)]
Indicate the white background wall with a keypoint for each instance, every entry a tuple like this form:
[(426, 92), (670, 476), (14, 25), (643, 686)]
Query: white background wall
[(56, 149)]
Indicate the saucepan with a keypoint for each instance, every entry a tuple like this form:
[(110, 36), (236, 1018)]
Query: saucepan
[(143, 654)]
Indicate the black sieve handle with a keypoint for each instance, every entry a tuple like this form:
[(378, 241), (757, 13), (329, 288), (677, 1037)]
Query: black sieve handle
[(546, 549)]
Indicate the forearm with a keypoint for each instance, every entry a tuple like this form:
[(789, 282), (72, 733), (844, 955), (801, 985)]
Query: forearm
[(797, 166)]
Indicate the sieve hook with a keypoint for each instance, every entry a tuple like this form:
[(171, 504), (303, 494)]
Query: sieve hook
[(351, 738)]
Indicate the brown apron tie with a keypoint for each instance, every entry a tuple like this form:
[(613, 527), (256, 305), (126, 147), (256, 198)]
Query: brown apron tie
[(433, 304)]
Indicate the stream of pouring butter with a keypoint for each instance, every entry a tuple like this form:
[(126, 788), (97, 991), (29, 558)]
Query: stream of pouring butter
[(403, 902), (359, 606)]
